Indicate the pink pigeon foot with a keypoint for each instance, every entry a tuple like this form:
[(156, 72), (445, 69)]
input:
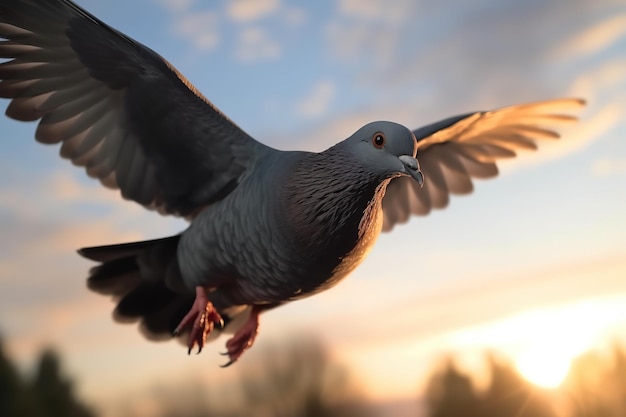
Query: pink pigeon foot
[(202, 317), (243, 338)]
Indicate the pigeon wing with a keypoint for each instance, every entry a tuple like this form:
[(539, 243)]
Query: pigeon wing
[(455, 150), (117, 108)]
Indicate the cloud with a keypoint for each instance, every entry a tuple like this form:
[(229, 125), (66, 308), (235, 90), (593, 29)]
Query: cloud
[(318, 100), (177, 5), (44, 301), (468, 303), (329, 131), (60, 194), (391, 11), (250, 10), (604, 79), (294, 16), (367, 30), (255, 44), (478, 57), (47, 219), (606, 167), (595, 38), (205, 29), (65, 187), (201, 29)]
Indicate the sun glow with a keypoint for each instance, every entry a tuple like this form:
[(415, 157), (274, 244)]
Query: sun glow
[(543, 342), (544, 367), (558, 336)]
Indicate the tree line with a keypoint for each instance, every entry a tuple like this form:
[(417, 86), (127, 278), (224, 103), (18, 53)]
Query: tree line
[(302, 380), (47, 393)]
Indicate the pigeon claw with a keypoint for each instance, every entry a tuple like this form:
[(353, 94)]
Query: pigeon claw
[(203, 326), (202, 317), (243, 338)]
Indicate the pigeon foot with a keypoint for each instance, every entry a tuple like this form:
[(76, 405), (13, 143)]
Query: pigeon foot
[(202, 318), (243, 338)]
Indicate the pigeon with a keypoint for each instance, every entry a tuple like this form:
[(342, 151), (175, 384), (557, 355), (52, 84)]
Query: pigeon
[(266, 227)]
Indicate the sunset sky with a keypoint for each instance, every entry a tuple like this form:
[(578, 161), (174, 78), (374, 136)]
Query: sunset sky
[(532, 259)]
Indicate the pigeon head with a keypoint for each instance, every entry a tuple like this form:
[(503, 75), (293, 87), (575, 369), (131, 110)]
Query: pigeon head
[(388, 148)]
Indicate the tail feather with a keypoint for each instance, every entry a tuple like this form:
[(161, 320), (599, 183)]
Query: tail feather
[(116, 277), (144, 299), (122, 250), (145, 281)]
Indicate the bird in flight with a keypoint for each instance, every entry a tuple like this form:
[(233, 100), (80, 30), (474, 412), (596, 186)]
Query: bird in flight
[(266, 227)]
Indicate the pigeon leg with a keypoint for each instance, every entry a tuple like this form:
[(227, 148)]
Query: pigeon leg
[(243, 338), (202, 318)]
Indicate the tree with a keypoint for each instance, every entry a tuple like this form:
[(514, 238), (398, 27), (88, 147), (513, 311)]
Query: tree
[(13, 401), (300, 380), (297, 379), (48, 394), (596, 385), (511, 395), (54, 393), (451, 394)]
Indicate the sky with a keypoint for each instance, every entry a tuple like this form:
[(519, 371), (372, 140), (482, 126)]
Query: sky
[(531, 259)]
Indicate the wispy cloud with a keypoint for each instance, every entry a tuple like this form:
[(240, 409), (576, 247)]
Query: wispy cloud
[(595, 38), (201, 29), (604, 79), (390, 11), (44, 298), (478, 300), (256, 44), (250, 10), (318, 100), (368, 30), (204, 28), (294, 16), (177, 5), (609, 166)]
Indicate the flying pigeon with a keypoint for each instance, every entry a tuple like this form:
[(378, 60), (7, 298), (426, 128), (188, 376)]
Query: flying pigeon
[(266, 227)]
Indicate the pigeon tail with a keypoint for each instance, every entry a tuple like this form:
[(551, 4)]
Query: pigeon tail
[(145, 281)]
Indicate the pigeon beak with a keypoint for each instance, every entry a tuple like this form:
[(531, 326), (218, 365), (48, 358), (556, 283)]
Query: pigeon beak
[(412, 168)]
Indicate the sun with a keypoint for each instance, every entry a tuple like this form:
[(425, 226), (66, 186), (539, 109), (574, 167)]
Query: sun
[(556, 338), (546, 367)]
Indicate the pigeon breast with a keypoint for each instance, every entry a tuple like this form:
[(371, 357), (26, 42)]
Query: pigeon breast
[(297, 225), (333, 207)]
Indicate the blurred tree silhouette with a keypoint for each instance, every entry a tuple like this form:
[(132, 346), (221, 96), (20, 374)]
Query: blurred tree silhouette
[(451, 394), (301, 380), (13, 398), (54, 393), (596, 385), (509, 394), (49, 394), (297, 379)]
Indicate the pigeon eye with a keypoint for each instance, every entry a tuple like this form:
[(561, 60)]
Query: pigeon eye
[(378, 140)]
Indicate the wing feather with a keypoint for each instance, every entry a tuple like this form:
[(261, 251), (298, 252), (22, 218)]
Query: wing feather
[(455, 150), (117, 108)]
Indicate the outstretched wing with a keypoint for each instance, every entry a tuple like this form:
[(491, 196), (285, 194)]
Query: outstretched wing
[(455, 150), (118, 108)]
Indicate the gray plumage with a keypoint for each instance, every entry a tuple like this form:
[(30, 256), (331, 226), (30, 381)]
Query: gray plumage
[(266, 226)]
